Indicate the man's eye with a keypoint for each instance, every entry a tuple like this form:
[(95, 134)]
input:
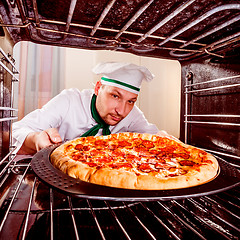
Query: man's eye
[(131, 102), (115, 96)]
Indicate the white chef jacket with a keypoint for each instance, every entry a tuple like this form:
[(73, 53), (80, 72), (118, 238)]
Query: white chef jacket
[(70, 113)]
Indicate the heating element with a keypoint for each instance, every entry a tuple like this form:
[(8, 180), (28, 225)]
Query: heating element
[(171, 29)]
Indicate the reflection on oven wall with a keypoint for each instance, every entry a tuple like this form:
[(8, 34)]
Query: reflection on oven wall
[(47, 70)]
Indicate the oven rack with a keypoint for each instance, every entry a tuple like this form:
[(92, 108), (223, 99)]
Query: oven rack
[(205, 87), (8, 76), (6, 58), (198, 218)]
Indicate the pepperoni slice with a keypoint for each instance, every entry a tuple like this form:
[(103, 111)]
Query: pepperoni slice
[(79, 147), (145, 167), (68, 147), (100, 142), (91, 164), (132, 158), (124, 143), (95, 152), (154, 151), (137, 141), (140, 149), (120, 165), (182, 155), (86, 148), (152, 160), (104, 159), (147, 144), (112, 146), (78, 156), (161, 160), (172, 175), (118, 153), (162, 166), (186, 163)]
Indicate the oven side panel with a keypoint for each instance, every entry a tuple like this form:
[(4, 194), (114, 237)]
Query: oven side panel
[(6, 92), (210, 108)]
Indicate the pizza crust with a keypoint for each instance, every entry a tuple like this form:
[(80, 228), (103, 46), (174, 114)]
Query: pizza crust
[(128, 178), (114, 178)]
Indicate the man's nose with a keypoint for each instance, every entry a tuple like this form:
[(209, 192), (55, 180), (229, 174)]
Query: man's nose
[(121, 108)]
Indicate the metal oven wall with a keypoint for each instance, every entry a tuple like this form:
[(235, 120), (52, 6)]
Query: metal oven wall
[(210, 111), (7, 80)]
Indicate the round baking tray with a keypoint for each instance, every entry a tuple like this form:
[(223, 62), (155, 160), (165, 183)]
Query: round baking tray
[(227, 178)]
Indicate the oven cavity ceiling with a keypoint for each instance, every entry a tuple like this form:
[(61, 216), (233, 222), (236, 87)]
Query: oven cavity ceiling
[(172, 29)]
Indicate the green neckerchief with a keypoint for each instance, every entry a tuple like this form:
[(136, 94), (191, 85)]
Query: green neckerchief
[(101, 124)]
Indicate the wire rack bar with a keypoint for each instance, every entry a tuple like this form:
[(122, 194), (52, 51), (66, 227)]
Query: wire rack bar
[(205, 221), (140, 222), (203, 208), (165, 20), (9, 60), (73, 218), (13, 198), (218, 205), (201, 18), (213, 88), (28, 210), (181, 220), (212, 81), (211, 115), (8, 164), (7, 119), (51, 212), (226, 201), (215, 123), (9, 71), (161, 222), (95, 219), (221, 153), (103, 15), (1, 162), (117, 220), (134, 17), (8, 109)]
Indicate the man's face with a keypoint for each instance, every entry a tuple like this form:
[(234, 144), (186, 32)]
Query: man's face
[(113, 103)]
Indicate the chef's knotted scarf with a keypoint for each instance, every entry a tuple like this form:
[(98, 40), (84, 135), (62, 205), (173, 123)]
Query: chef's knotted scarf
[(101, 124)]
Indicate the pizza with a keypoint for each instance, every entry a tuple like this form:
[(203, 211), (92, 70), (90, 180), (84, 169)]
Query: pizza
[(135, 161)]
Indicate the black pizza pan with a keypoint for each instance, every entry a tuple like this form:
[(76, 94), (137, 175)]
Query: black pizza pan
[(227, 178)]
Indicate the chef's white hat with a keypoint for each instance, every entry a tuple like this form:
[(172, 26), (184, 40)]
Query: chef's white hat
[(127, 76)]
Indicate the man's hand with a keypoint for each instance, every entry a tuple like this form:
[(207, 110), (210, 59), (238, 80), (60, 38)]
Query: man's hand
[(46, 138), (37, 140)]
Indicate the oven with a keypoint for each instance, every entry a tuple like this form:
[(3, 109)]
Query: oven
[(204, 36)]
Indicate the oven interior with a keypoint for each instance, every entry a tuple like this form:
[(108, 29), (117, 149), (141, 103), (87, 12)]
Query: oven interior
[(205, 38)]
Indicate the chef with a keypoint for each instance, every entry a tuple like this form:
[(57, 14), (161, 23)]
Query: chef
[(109, 108)]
